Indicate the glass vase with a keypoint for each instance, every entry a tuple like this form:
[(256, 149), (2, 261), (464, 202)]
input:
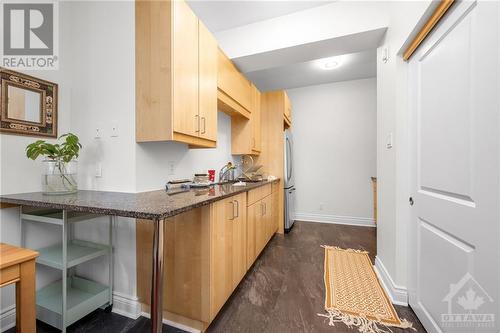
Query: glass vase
[(59, 177)]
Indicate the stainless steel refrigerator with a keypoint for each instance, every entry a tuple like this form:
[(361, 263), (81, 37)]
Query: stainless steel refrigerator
[(289, 182)]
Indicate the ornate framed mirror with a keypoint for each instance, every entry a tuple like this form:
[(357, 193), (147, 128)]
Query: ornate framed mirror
[(29, 105)]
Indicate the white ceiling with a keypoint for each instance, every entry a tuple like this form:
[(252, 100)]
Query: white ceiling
[(354, 33), (354, 66), (224, 15)]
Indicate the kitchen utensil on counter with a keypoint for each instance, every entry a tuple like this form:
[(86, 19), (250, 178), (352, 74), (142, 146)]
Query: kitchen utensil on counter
[(176, 184)]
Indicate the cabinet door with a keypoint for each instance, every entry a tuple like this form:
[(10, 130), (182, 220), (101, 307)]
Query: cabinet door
[(261, 228), (207, 83), (254, 212), (184, 69), (288, 106), (228, 262), (268, 218), (233, 83), (255, 119), (239, 231), (274, 213), (222, 260)]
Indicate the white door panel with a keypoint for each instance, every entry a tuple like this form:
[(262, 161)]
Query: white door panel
[(455, 226)]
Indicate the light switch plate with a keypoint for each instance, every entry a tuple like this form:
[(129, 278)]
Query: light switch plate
[(98, 170)]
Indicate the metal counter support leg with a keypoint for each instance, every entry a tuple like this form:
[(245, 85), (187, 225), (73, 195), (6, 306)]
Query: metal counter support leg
[(157, 278)]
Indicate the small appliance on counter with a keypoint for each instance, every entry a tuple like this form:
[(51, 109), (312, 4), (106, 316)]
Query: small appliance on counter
[(201, 180)]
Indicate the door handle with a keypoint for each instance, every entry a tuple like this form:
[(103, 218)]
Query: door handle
[(237, 208), (197, 123), (232, 203), (204, 122)]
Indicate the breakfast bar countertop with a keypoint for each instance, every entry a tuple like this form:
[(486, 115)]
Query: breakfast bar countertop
[(149, 205)]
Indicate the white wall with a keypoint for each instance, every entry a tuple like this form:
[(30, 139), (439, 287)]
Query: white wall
[(96, 90), (334, 129), (392, 117), (153, 159), (19, 174)]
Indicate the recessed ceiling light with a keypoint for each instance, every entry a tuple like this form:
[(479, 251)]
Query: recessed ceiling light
[(330, 63)]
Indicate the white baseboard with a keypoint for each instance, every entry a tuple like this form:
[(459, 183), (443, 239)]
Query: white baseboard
[(174, 324), (8, 318), (336, 219), (397, 294), (124, 305)]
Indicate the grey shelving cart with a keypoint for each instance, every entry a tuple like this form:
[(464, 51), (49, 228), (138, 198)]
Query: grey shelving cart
[(65, 301)]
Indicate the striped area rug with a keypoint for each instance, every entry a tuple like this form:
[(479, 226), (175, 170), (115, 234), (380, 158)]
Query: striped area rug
[(354, 295)]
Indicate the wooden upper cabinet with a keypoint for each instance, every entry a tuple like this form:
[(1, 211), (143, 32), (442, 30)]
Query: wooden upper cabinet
[(255, 119), (176, 58), (235, 95), (287, 112), (246, 133), (208, 51), (185, 70)]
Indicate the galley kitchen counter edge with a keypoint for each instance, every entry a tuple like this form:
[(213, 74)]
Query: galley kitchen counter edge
[(152, 205)]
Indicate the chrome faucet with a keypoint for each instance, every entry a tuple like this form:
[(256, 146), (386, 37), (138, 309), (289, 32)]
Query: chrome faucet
[(225, 171)]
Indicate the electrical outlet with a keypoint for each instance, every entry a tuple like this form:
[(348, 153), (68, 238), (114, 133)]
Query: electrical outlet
[(171, 168), (114, 130), (97, 133)]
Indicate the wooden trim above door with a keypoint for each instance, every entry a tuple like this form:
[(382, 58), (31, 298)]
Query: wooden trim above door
[(428, 26)]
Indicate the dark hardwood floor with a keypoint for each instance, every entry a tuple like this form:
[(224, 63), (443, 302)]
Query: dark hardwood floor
[(282, 292)]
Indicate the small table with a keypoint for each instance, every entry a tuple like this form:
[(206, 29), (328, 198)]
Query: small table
[(17, 265)]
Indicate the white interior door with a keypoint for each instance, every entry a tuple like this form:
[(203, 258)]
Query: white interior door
[(455, 229)]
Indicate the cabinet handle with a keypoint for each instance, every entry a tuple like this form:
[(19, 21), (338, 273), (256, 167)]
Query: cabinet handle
[(232, 218), (265, 208), (204, 122), (197, 123), (237, 208), (262, 209)]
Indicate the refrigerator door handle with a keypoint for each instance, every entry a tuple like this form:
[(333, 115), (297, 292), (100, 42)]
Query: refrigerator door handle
[(289, 166)]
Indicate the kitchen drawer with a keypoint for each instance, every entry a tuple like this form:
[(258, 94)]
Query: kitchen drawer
[(258, 193)]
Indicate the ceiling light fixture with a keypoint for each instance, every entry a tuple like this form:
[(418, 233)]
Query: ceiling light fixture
[(330, 63)]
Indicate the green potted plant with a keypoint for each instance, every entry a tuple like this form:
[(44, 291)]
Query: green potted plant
[(60, 165)]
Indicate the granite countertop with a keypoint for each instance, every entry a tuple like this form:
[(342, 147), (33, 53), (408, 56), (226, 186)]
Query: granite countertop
[(144, 205)]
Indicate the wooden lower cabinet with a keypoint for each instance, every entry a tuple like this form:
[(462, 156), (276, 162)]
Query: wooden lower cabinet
[(262, 225), (208, 251), (253, 214), (228, 248), (262, 220), (275, 206), (205, 259)]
